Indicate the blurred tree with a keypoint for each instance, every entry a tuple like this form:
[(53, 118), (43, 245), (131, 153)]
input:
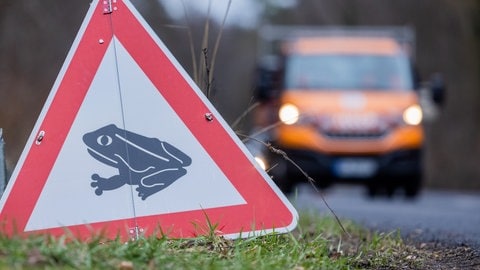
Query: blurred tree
[(34, 40), (446, 32), (35, 37)]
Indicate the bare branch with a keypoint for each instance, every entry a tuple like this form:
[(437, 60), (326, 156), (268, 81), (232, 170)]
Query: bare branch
[(310, 179)]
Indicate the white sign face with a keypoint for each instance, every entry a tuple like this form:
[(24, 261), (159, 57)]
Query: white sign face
[(147, 113)]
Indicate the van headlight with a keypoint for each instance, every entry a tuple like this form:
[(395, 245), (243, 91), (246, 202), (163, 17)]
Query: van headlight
[(413, 115), (261, 162), (288, 114)]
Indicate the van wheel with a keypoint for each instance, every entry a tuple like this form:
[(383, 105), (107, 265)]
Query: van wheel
[(413, 186), (372, 190), (374, 187), (284, 183), (281, 177), (390, 190)]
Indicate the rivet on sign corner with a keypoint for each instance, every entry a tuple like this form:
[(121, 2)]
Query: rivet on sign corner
[(101, 41), (40, 137), (209, 117)]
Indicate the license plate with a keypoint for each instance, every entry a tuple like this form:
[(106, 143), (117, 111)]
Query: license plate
[(355, 167)]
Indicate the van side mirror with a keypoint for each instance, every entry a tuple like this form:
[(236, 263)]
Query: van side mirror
[(437, 88), (268, 78)]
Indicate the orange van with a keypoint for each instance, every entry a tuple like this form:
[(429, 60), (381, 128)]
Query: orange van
[(343, 105)]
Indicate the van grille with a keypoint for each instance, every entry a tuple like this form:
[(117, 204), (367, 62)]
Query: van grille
[(355, 135)]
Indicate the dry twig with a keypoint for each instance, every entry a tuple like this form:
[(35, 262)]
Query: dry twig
[(310, 179)]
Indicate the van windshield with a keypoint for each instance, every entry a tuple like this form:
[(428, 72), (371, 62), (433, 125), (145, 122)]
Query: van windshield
[(348, 72)]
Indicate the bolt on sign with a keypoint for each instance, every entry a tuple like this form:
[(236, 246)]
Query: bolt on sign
[(127, 145)]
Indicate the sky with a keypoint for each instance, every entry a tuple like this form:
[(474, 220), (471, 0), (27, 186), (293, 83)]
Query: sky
[(243, 13)]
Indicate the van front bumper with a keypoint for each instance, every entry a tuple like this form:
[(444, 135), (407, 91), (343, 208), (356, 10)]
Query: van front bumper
[(397, 164)]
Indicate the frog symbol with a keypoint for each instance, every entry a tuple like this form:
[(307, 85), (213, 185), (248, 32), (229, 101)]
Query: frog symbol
[(148, 163)]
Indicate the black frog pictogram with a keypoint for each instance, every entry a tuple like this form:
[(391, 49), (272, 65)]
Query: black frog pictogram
[(147, 162)]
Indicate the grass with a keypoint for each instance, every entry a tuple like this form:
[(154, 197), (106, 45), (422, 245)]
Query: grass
[(317, 243)]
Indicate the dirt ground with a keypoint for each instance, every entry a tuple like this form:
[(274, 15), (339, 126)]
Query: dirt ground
[(441, 256), (409, 253)]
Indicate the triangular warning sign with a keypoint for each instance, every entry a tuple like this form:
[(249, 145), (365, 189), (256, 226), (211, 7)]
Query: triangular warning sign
[(126, 143)]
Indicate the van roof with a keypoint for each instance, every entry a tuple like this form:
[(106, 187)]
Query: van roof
[(343, 45)]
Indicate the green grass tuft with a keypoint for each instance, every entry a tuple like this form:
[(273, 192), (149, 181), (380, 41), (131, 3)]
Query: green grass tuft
[(318, 243)]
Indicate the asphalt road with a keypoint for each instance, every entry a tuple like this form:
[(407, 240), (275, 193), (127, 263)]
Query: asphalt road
[(448, 217)]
